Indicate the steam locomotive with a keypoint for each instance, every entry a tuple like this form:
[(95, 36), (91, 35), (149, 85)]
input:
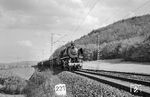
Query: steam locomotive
[(70, 58)]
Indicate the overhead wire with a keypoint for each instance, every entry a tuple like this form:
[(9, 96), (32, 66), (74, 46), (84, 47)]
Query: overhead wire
[(137, 8), (84, 18), (145, 3), (89, 5)]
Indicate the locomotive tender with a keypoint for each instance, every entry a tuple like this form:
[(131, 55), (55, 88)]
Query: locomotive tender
[(70, 58)]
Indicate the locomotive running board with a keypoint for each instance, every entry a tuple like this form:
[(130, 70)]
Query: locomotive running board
[(64, 58), (74, 64)]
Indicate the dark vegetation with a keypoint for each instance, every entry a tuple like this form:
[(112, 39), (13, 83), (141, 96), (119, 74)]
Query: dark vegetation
[(127, 39), (12, 85)]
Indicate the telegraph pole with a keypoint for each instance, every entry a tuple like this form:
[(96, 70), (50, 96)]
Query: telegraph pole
[(52, 35), (98, 46), (52, 44)]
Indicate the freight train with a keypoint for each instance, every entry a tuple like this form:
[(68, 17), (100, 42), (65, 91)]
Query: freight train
[(70, 58)]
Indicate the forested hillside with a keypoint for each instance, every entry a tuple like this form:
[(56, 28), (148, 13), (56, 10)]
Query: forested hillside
[(128, 39)]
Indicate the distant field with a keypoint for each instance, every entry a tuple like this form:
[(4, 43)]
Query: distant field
[(6, 73), (21, 72), (23, 64)]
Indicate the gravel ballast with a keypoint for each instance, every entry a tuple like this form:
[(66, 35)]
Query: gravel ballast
[(81, 86)]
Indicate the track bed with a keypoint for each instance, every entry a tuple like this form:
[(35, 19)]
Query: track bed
[(122, 81)]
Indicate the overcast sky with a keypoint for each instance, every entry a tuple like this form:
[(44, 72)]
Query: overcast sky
[(26, 25)]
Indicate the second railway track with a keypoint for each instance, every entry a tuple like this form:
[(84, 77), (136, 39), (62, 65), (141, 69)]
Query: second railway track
[(119, 82)]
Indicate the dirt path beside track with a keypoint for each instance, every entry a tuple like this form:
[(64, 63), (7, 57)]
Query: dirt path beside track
[(118, 65)]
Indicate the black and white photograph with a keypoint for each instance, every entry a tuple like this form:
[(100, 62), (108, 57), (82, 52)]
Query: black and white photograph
[(74, 48)]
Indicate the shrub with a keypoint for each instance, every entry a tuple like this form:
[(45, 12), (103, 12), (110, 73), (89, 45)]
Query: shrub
[(110, 50), (14, 85)]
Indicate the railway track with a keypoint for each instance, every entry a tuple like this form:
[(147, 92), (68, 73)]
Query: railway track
[(134, 86)]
